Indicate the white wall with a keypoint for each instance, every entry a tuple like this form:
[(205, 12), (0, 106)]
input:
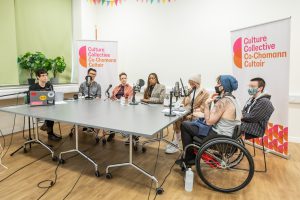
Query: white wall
[(186, 37)]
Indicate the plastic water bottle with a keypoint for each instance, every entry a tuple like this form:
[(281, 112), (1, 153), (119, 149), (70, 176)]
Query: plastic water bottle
[(189, 180)]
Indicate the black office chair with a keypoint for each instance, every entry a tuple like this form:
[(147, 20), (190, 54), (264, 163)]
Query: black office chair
[(253, 137)]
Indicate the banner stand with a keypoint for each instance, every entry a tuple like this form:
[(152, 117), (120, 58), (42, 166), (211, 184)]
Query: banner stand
[(263, 50)]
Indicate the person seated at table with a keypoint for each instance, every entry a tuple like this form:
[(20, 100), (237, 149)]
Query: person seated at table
[(95, 88), (44, 85), (154, 92), (201, 95), (121, 90), (223, 117)]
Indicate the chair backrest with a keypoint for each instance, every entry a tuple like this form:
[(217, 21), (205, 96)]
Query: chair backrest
[(236, 132)]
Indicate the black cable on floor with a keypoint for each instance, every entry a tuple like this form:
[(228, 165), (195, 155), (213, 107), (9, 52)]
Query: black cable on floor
[(53, 182), (77, 179), (155, 166), (167, 176), (23, 167), (12, 131), (30, 163), (74, 184)]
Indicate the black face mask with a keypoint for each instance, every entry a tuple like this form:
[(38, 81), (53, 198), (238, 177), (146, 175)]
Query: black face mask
[(217, 89)]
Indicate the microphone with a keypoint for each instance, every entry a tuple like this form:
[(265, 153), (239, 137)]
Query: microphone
[(139, 83), (48, 86), (185, 92), (88, 80), (176, 90), (107, 91)]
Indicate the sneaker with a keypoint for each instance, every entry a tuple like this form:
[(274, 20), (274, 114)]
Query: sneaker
[(170, 149), (84, 129), (90, 130), (135, 139), (54, 137)]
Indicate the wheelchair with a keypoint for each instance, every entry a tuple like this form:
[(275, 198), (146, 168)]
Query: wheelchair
[(222, 163)]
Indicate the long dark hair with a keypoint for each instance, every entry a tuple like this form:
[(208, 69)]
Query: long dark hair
[(147, 90)]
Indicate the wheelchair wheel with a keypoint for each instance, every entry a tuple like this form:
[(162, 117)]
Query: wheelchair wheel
[(240, 156), (219, 165)]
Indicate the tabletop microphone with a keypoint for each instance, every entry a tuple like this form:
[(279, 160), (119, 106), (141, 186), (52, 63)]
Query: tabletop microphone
[(107, 91), (176, 90), (88, 80)]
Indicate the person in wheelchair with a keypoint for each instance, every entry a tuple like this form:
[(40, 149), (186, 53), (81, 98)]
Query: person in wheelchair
[(257, 111), (222, 118), (201, 95)]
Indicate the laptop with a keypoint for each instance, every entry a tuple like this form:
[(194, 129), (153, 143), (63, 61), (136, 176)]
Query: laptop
[(41, 98)]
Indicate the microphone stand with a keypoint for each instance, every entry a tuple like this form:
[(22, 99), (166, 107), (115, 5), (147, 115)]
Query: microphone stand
[(133, 102), (29, 123), (107, 95), (192, 103), (89, 95), (170, 114)]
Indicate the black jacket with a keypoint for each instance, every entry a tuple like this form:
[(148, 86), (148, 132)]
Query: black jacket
[(37, 87), (256, 114)]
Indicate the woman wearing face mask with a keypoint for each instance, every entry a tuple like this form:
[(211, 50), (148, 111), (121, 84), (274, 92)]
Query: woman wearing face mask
[(201, 95), (155, 92)]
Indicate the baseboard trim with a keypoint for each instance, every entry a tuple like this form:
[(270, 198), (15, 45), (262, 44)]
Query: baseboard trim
[(294, 139)]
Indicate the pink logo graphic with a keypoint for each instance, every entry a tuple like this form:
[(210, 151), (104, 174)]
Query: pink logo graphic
[(237, 53), (82, 56)]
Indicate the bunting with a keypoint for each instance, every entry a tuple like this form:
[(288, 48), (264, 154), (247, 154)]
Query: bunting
[(105, 2), (118, 2)]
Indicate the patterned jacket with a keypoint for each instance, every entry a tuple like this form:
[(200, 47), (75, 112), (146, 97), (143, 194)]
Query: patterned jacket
[(256, 114)]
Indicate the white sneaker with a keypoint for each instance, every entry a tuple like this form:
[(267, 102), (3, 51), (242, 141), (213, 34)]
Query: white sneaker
[(171, 149)]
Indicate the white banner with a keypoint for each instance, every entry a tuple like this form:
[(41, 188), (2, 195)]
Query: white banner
[(264, 51), (100, 55)]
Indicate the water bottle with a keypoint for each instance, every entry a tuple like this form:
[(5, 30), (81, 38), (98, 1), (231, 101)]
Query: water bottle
[(189, 180), (122, 102), (166, 100)]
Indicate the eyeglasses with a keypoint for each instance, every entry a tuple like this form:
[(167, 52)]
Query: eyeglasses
[(92, 74)]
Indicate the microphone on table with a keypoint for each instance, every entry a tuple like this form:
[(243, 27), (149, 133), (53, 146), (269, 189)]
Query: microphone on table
[(107, 91)]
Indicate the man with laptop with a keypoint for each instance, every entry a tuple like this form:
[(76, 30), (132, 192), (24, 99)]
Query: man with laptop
[(44, 85)]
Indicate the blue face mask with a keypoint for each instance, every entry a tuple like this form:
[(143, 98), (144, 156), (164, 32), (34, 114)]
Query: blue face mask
[(252, 91)]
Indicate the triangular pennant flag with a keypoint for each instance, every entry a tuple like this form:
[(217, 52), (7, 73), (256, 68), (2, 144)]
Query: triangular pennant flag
[(107, 3), (112, 3), (103, 1), (116, 2)]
